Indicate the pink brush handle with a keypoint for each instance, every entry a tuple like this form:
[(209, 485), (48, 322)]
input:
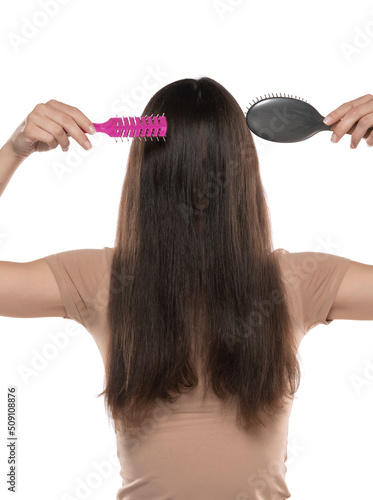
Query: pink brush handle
[(134, 126)]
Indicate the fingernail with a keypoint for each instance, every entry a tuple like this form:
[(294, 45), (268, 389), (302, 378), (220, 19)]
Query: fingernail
[(352, 145), (369, 145), (92, 129), (327, 120), (87, 145), (334, 137)]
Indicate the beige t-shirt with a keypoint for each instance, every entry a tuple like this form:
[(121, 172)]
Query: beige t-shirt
[(190, 449)]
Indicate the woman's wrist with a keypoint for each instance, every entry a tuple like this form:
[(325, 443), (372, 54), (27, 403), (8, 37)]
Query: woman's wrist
[(10, 153), (9, 162)]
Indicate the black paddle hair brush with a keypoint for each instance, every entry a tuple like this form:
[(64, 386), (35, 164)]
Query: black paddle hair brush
[(284, 118)]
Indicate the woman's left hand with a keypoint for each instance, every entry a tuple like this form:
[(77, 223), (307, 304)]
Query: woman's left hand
[(354, 117)]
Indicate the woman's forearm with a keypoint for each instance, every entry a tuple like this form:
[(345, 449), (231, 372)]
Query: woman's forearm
[(9, 162)]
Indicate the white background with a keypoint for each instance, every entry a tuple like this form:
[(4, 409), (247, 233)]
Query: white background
[(109, 58)]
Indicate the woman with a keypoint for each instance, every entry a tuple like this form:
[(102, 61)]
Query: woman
[(197, 318)]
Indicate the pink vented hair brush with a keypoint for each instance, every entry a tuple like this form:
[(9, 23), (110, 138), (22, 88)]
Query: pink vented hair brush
[(134, 127)]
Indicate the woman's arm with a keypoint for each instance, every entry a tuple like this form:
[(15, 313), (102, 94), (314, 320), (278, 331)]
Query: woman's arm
[(29, 289), (354, 299), (9, 162)]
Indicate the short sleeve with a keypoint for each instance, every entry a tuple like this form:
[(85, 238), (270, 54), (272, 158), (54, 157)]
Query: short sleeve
[(78, 274), (317, 277)]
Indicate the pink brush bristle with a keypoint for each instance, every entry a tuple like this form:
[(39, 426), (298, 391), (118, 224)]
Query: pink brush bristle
[(134, 127)]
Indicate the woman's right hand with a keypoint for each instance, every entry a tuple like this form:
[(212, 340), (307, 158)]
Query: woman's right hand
[(48, 126)]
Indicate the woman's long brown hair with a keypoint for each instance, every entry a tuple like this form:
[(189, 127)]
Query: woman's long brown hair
[(193, 274)]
